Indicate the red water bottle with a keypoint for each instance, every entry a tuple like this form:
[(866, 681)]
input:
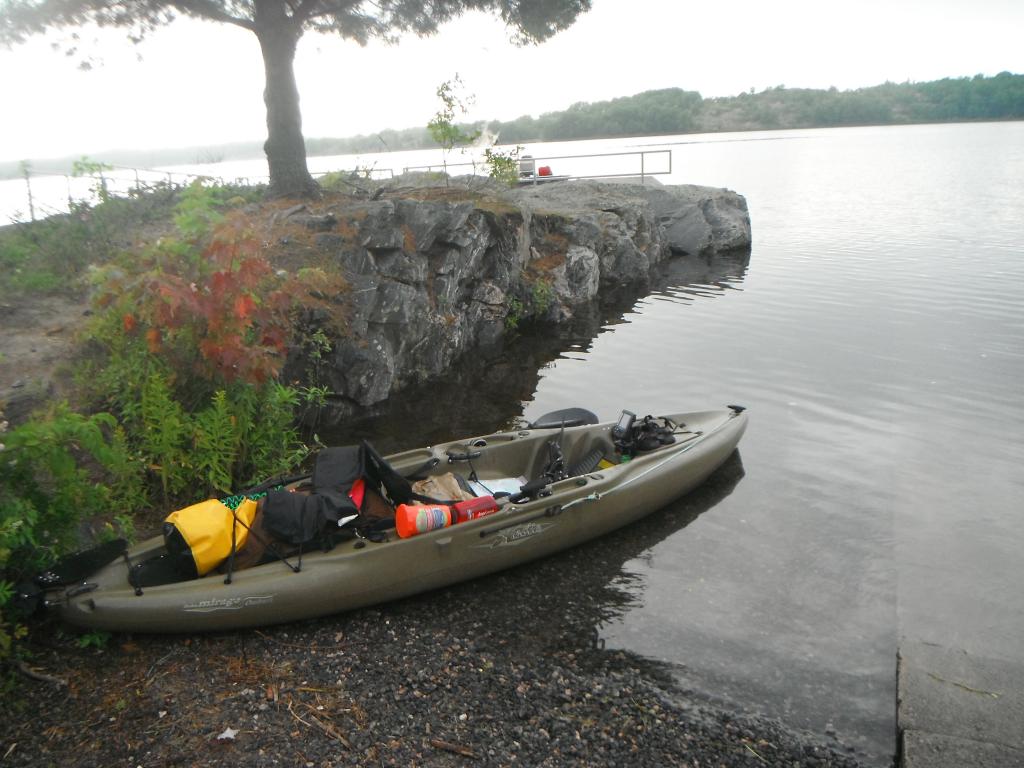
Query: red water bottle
[(471, 509)]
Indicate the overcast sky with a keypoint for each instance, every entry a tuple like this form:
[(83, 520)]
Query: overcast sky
[(201, 83)]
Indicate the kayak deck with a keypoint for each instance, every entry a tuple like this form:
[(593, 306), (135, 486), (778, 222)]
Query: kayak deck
[(360, 572)]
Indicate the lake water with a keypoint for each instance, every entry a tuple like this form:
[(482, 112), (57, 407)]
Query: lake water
[(876, 333), (877, 336)]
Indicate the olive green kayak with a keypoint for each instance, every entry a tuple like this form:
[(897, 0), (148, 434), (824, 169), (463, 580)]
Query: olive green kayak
[(569, 508)]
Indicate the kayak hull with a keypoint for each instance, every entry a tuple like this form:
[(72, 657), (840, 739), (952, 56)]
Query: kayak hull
[(359, 573)]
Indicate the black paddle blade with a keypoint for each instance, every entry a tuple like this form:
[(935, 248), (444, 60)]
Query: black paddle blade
[(27, 599), (75, 568)]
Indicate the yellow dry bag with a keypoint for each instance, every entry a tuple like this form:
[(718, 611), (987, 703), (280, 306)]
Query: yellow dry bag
[(199, 537)]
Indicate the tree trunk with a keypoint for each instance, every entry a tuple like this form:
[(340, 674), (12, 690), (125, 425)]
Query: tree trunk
[(285, 146)]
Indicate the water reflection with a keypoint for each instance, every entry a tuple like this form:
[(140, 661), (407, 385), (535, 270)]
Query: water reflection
[(701, 277)]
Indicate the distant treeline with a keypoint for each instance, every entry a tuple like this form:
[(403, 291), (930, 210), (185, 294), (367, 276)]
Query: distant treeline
[(674, 111), (664, 112)]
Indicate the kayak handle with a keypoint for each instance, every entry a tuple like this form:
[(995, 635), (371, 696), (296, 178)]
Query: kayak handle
[(454, 456)]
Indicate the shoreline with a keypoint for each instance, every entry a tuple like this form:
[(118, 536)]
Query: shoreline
[(432, 680), (508, 669)]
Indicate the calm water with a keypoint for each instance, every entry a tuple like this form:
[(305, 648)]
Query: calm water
[(877, 335)]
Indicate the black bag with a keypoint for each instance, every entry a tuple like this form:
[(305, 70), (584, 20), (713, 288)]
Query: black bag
[(298, 518), (653, 433)]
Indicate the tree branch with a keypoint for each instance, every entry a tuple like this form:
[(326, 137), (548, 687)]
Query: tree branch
[(207, 9), (311, 9)]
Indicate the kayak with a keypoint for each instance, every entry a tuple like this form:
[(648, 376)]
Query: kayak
[(599, 486)]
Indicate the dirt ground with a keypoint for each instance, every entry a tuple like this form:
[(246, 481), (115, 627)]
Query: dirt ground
[(36, 337)]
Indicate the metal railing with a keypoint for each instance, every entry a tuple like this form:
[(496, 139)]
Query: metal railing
[(47, 194), (643, 170), (359, 173), (118, 181), (112, 181)]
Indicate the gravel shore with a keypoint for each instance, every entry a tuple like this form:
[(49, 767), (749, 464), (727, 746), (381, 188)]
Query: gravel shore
[(428, 681), (504, 670), (379, 687)]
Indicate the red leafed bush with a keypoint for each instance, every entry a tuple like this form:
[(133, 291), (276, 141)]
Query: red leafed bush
[(224, 315), (235, 316)]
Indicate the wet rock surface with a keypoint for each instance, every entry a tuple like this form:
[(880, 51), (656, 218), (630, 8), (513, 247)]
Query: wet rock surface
[(438, 272)]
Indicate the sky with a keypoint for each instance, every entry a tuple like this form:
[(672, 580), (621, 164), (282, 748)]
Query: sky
[(200, 83)]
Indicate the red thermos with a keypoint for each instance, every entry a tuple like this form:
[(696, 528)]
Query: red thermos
[(471, 509), (414, 519)]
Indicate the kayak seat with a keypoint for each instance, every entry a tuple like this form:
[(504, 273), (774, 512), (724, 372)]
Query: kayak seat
[(567, 417)]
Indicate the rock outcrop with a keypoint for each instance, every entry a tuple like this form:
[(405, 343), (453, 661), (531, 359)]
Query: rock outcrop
[(434, 272)]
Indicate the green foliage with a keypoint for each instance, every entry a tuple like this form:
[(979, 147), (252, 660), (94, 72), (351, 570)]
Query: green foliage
[(345, 181), (51, 255), (196, 213), (46, 489), (670, 110), (674, 110), (271, 441), (85, 166), (442, 126), (216, 442), (515, 314), (534, 304), (20, 271), (245, 433), (503, 166), (56, 473), (164, 430), (542, 294), (188, 341), (94, 639)]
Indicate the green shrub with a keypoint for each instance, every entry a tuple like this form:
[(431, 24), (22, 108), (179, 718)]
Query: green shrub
[(515, 314), (503, 166), (57, 473), (245, 433), (187, 343), (543, 294), (196, 212)]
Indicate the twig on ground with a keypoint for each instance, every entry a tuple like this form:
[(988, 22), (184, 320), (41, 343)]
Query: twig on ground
[(325, 727), (157, 663), (27, 671), (754, 752), (331, 731), (456, 748)]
